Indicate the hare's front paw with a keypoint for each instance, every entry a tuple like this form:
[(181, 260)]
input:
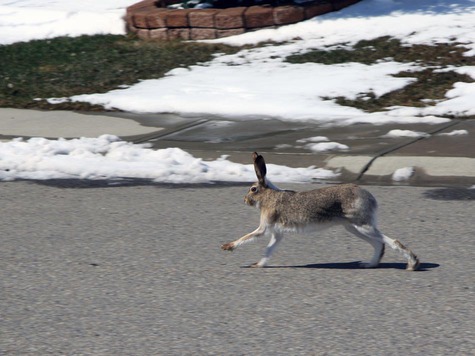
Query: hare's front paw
[(228, 247)]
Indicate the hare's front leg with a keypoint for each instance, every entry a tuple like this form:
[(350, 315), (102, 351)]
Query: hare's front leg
[(256, 233), (274, 241)]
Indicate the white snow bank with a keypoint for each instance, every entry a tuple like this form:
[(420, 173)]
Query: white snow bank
[(313, 139), (106, 157), (25, 20), (403, 174), (326, 146), (260, 88), (405, 133), (459, 101), (454, 133), (413, 22)]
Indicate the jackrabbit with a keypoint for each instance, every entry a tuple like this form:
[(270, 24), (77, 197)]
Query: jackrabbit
[(314, 210)]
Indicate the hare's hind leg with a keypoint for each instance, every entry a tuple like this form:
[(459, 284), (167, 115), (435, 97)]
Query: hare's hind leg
[(275, 239), (367, 234), (373, 234), (412, 260)]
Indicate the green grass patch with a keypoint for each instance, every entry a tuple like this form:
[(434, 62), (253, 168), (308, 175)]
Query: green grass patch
[(430, 86), (63, 67)]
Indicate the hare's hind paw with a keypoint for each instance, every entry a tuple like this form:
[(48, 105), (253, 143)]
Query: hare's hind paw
[(228, 246), (256, 265), (413, 265), (261, 263)]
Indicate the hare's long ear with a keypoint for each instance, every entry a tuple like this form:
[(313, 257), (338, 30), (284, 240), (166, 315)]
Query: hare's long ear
[(260, 168)]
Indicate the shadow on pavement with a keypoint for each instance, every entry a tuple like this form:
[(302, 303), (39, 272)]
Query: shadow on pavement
[(450, 194), (356, 265), (127, 182)]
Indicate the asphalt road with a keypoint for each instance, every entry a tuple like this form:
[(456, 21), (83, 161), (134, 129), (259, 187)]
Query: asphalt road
[(137, 270)]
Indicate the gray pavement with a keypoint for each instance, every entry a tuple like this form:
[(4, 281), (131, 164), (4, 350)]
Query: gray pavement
[(100, 269), (371, 158)]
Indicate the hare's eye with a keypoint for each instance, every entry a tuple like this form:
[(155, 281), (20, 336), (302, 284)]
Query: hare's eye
[(254, 189)]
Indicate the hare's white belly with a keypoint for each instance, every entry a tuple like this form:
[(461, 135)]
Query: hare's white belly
[(309, 228)]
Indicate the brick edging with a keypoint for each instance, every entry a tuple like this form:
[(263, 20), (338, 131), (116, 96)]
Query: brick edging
[(149, 21)]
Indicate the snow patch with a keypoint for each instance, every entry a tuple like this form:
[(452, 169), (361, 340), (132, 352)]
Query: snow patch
[(403, 174), (454, 133), (107, 157), (327, 146), (313, 139), (26, 20), (405, 133)]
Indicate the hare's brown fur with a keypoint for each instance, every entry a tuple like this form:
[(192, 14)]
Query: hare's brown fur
[(293, 209)]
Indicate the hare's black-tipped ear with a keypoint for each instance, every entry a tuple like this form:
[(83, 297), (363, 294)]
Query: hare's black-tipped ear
[(260, 168)]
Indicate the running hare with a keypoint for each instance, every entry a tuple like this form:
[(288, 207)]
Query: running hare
[(284, 210)]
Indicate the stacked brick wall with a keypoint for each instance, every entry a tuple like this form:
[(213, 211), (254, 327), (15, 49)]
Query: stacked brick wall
[(151, 21)]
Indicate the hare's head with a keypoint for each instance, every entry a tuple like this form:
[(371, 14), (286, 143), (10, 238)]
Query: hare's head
[(257, 190)]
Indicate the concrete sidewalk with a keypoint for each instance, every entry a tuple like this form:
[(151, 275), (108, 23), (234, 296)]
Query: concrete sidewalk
[(438, 159)]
